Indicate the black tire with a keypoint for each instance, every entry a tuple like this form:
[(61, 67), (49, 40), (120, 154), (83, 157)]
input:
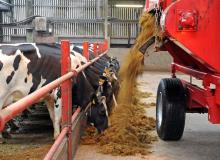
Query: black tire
[(170, 109)]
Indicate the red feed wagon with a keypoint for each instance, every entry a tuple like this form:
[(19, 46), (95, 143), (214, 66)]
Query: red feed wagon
[(192, 38)]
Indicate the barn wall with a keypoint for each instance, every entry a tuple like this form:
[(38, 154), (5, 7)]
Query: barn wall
[(81, 19)]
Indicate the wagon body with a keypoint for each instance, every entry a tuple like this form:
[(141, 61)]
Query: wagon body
[(191, 36), (200, 40)]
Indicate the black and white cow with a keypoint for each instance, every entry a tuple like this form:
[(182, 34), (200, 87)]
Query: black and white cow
[(106, 70), (24, 68)]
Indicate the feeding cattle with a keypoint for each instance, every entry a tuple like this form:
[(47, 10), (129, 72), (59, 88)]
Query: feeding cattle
[(103, 71), (25, 68)]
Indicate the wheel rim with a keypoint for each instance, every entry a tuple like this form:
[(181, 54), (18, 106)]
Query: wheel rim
[(160, 110)]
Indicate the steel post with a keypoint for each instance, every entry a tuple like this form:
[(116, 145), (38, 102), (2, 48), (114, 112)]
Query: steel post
[(86, 50), (146, 5), (106, 18), (105, 45), (29, 11), (66, 93), (95, 49)]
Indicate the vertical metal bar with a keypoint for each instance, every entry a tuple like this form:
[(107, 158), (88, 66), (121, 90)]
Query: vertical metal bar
[(65, 68), (146, 5), (106, 19), (66, 93), (98, 9), (105, 45), (1, 28), (88, 7), (29, 12), (95, 49), (86, 50), (93, 11)]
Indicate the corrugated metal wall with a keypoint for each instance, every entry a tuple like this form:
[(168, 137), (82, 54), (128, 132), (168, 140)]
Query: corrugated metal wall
[(125, 23), (76, 18), (17, 15)]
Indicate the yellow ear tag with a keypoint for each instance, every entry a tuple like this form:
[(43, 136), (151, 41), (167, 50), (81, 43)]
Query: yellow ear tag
[(107, 72), (101, 81)]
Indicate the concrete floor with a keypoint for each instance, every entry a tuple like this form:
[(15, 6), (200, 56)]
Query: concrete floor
[(201, 140)]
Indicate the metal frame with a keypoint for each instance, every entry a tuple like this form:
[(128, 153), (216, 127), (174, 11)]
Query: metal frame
[(201, 99), (194, 52)]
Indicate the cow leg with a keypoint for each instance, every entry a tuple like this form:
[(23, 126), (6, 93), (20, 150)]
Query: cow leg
[(57, 112), (50, 103), (57, 120)]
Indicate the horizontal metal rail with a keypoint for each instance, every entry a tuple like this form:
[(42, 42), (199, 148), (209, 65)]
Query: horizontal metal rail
[(16, 108), (57, 143)]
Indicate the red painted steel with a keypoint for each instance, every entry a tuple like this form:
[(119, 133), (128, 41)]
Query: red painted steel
[(60, 138), (101, 47), (66, 87), (166, 3), (75, 114), (146, 4), (187, 20), (66, 94), (191, 30), (56, 144), (151, 4), (95, 49), (105, 45), (86, 50), (202, 44), (199, 97), (196, 96)]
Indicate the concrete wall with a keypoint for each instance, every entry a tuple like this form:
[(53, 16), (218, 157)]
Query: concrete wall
[(156, 61)]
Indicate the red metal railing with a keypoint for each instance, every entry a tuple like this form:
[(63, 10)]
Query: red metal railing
[(16, 108)]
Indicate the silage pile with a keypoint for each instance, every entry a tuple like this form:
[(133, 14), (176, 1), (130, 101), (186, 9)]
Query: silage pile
[(130, 130)]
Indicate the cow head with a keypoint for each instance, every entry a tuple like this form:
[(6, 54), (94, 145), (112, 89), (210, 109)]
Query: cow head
[(98, 114)]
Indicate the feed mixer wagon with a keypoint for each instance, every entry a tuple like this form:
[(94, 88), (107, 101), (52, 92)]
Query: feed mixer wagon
[(191, 36)]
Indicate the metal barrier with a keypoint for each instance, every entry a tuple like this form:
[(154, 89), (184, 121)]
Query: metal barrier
[(63, 146)]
